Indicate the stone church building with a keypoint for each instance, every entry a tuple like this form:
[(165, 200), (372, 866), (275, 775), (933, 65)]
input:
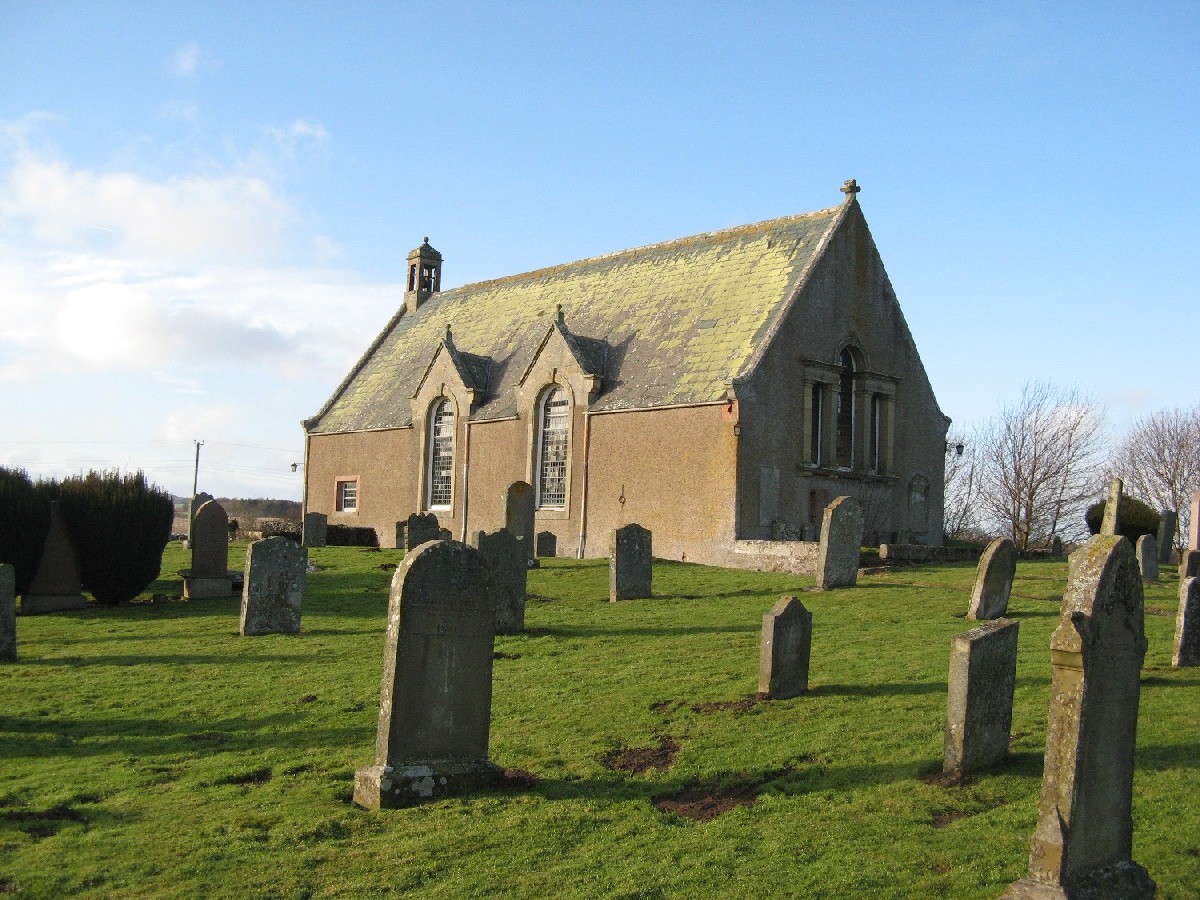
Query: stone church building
[(719, 390)]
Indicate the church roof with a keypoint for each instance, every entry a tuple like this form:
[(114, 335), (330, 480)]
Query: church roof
[(669, 324)]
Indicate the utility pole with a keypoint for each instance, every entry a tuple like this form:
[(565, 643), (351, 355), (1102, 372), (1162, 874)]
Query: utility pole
[(196, 475)]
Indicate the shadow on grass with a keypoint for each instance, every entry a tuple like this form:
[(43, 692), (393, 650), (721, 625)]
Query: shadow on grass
[(876, 690), (585, 631), (180, 659)]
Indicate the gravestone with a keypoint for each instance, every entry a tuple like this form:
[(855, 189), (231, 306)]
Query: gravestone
[(444, 534), (316, 529), (1056, 546), (508, 562), (784, 650), (547, 544), (1194, 523), (1187, 624), (420, 529), (273, 587), (983, 674), (8, 613), (1168, 523), (400, 529), (209, 575), (55, 584), (193, 507), (630, 565), (1112, 509), (1084, 836), (1147, 557), (993, 580), (841, 542), (1189, 564), (436, 697), (518, 513)]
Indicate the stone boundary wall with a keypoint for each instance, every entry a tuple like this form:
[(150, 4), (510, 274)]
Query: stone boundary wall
[(924, 553), (792, 557)]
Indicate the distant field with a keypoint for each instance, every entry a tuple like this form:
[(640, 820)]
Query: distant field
[(148, 751)]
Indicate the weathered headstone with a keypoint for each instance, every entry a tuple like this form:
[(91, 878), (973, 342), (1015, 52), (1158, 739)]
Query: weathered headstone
[(1084, 838), (1147, 557), (518, 513), (1189, 564), (1168, 524), (784, 650), (316, 529), (197, 501), (993, 580), (630, 564), (1056, 546), (547, 544), (841, 543), (508, 562), (1187, 624), (1194, 523), (401, 527), (983, 674), (1112, 509), (273, 587), (445, 534), (8, 613), (419, 529), (436, 698), (55, 584), (209, 575)]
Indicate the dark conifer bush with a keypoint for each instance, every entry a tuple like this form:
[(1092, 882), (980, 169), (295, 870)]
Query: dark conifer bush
[(24, 523), (120, 525), (1134, 518)]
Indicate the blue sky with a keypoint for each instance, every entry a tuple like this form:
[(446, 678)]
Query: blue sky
[(205, 209)]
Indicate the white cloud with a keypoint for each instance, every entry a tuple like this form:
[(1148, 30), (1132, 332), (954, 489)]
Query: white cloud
[(186, 60)]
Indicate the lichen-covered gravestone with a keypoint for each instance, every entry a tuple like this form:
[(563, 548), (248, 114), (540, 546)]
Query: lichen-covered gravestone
[(841, 543), (1084, 837), (993, 580), (198, 500), (1111, 522), (209, 575), (1194, 522), (8, 613), (518, 513), (630, 565), (983, 674), (508, 562), (1189, 564), (1168, 523), (273, 587), (784, 650), (56, 585), (547, 544), (436, 698), (1187, 624), (316, 529), (420, 529), (1147, 557)]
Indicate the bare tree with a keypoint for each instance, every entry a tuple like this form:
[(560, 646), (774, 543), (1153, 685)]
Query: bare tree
[(961, 515), (1160, 462), (1040, 462)]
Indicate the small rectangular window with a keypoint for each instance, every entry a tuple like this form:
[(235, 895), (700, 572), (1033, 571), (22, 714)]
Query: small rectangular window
[(347, 495)]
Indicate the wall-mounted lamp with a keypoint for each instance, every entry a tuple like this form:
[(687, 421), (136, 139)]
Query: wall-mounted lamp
[(295, 466), (957, 448), (737, 429)]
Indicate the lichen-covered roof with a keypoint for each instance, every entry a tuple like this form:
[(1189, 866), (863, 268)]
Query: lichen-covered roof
[(676, 321)]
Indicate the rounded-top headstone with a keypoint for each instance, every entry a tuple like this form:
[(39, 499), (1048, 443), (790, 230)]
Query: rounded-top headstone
[(993, 580)]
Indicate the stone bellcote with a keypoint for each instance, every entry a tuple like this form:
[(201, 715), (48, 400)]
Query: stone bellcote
[(424, 276)]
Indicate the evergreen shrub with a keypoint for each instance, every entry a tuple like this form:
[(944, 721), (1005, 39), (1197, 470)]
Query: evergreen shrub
[(24, 524), (1134, 518), (119, 525)]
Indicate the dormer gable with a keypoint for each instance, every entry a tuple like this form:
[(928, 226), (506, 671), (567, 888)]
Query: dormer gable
[(450, 373)]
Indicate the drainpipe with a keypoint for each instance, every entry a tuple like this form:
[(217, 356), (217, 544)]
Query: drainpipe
[(466, 492), (587, 444)]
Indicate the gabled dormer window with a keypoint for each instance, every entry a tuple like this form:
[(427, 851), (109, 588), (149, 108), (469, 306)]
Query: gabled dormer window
[(441, 455)]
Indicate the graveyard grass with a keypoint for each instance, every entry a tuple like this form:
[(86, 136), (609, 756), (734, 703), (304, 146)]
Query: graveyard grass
[(149, 751)]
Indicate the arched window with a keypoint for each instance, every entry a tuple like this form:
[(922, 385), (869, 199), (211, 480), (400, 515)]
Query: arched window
[(553, 423), (845, 412), (441, 454)]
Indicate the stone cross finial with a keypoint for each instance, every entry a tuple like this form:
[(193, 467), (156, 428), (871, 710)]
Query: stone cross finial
[(850, 187)]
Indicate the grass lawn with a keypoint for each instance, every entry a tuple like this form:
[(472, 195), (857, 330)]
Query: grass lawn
[(149, 751)]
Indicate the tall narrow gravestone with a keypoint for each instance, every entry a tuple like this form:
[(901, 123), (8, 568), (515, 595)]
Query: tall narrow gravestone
[(198, 500), (1189, 564), (1111, 523), (518, 513), (630, 565), (785, 650), (316, 529), (1168, 523), (1147, 557), (273, 587), (8, 613), (1187, 624), (508, 562), (420, 529), (1194, 522), (55, 584), (993, 580), (841, 543), (209, 575), (436, 698), (1084, 838), (983, 674)]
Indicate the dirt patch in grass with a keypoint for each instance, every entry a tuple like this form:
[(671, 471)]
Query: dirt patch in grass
[(703, 802), (735, 705), (518, 780), (941, 820), (641, 759), (255, 776), (1160, 611), (8, 886), (665, 706), (948, 779), (308, 698)]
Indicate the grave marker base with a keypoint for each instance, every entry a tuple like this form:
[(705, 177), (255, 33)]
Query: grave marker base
[(1126, 880), (200, 587), (33, 604), (385, 787)]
